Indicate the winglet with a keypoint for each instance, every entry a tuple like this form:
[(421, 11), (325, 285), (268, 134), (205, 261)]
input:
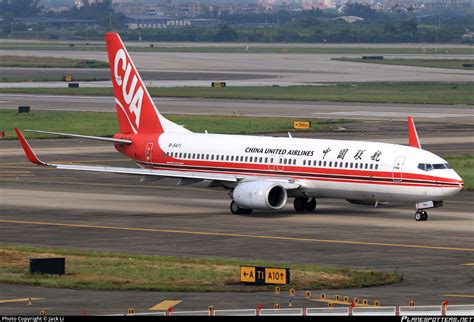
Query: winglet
[(413, 139), (26, 147)]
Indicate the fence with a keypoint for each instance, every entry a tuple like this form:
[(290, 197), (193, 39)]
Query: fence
[(434, 310)]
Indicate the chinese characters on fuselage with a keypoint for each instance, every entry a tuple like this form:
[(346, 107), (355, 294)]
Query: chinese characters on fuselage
[(341, 154)]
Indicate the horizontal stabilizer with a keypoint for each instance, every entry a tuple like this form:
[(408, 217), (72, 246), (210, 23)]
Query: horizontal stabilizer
[(99, 138)]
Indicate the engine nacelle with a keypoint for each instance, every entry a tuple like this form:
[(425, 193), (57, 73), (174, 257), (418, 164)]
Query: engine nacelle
[(260, 194)]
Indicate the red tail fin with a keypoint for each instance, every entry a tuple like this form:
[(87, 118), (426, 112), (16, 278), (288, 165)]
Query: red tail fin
[(136, 111)]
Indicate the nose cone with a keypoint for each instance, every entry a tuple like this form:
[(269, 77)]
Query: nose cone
[(457, 178)]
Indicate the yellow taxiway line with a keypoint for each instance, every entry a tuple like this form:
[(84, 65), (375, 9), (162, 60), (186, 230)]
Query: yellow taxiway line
[(459, 295), (219, 234), (469, 264), (26, 299), (164, 305)]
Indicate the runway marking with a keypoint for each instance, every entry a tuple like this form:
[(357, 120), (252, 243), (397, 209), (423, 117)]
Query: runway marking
[(15, 172), (341, 302), (164, 305), (458, 295), (26, 299), (205, 233)]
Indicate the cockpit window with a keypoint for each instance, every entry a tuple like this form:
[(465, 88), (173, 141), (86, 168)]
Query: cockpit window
[(436, 166)]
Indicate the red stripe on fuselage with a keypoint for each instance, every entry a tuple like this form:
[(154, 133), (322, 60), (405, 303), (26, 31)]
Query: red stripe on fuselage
[(323, 174)]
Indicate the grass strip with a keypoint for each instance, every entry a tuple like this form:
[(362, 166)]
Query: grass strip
[(50, 62), (464, 166), (252, 48), (409, 93), (88, 269), (435, 63), (106, 124)]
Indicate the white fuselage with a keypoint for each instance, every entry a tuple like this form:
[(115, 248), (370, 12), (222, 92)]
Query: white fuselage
[(354, 170)]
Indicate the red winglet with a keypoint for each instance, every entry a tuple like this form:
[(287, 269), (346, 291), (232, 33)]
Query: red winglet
[(26, 147), (413, 139)]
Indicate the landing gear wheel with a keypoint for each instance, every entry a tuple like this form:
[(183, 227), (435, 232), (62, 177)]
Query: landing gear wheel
[(421, 215), (424, 215), (235, 209), (300, 204), (247, 211), (311, 205)]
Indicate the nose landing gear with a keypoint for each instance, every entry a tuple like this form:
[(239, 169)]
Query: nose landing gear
[(421, 215)]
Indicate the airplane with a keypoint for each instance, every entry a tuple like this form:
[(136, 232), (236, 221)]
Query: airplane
[(262, 172)]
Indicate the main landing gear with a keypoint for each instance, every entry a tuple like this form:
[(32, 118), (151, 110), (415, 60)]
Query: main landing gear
[(421, 215), (236, 210), (302, 204)]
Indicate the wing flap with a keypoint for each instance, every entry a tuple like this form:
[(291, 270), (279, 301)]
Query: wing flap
[(149, 172)]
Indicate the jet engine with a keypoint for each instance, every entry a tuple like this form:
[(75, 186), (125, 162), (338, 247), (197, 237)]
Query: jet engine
[(259, 194)]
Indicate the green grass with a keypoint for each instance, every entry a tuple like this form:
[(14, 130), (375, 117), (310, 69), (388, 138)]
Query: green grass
[(464, 166), (436, 63), (253, 48), (50, 62), (419, 93), (106, 124), (86, 269), (41, 78)]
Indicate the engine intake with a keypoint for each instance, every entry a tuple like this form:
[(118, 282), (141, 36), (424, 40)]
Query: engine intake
[(260, 194)]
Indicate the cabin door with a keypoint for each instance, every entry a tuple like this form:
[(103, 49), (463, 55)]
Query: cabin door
[(398, 169)]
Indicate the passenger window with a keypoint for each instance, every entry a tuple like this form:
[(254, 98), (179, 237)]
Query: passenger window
[(347, 164), (330, 163), (212, 156), (261, 160), (366, 165), (314, 163), (241, 158), (266, 160), (251, 158), (320, 162), (246, 158), (227, 158), (352, 165), (304, 162), (294, 161), (376, 167), (371, 166), (324, 164)]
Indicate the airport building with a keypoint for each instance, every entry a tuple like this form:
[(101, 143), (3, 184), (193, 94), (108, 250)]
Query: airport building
[(160, 22)]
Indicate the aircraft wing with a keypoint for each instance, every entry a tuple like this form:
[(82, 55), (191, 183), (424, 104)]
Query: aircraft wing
[(194, 176), (99, 138), (134, 171)]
